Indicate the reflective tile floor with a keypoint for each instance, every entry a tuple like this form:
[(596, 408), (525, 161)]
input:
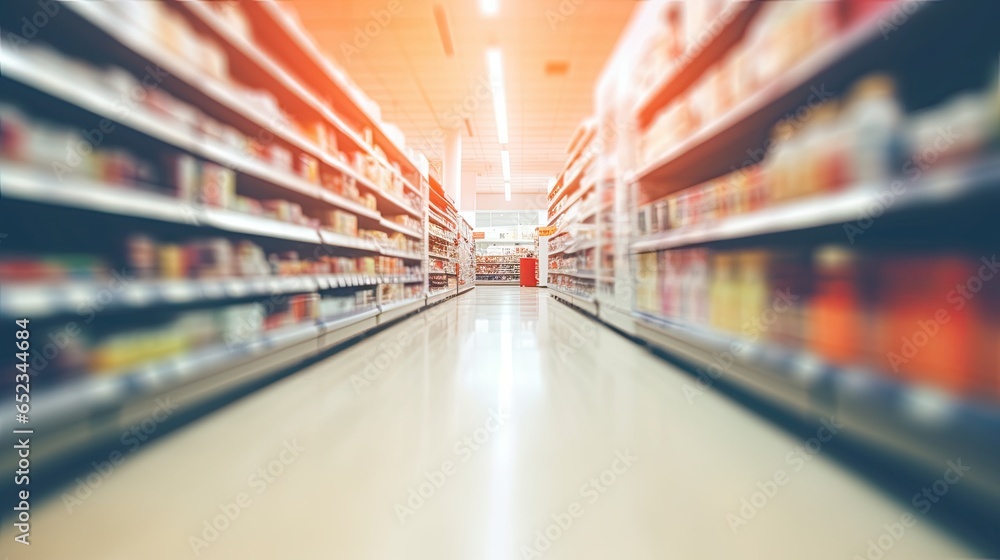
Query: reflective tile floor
[(499, 425)]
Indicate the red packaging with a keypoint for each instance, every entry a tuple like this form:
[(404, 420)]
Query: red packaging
[(927, 326), (834, 324)]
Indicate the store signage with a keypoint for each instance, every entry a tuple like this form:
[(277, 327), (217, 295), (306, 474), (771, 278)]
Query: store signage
[(546, 231), (479, 235)]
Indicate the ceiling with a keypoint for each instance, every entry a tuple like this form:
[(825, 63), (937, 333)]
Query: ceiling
[(400, 62)]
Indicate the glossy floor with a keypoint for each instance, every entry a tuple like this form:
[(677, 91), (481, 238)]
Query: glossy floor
[(498, 425)]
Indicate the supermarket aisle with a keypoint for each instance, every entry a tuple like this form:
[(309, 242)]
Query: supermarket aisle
[(460, 433)]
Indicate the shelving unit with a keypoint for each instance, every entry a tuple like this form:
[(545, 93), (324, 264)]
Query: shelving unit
[(243, 214), (500, 269), (504, 270), (573, 251), (466, 257), (709, 201), (444, 241)]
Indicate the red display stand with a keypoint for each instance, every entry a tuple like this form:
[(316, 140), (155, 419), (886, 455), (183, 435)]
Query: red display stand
[(529, 273)]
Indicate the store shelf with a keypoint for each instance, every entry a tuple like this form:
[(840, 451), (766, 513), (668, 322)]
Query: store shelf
[(39, 300), (338, 330), (940, 187), (569, 186), (247, 224), (585, 303), (310, 61), (441, 257), (78, 412), (728, 30), (395, 310), (582, 137), (714, 148), (402, 254), (574, 274), (357, 209), (209, 89), (445, 223), (266, 64), (348, 242), (89, 396), (401, 229), (916, 421), (571, 201), (432, 233), (49, 82), (506, 241), (572, 249), (589, 213), (937, 188), (441, 295), (35, 185), (436, 195)]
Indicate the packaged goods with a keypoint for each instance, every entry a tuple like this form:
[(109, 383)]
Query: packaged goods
[(218, 185), (834, 332), (343, 222), (875, 116)]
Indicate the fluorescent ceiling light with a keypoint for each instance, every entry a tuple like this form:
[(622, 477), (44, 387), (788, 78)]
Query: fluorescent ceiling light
[(489, 7), (505, 163), (494, 62), (506, 190)]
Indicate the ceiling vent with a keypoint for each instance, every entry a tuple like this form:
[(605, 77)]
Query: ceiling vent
[(555, 68)]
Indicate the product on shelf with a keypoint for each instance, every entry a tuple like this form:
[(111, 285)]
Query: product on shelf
[(332, 306), (914, 317), (343, 223), (582, 287), (866, 143), (124, 347), (406, 221), (52, 268), (395, 293), (439, 232)]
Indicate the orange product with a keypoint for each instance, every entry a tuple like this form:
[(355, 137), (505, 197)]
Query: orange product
[(833, 319), (309, 168), (928, 325), (819, 151)]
